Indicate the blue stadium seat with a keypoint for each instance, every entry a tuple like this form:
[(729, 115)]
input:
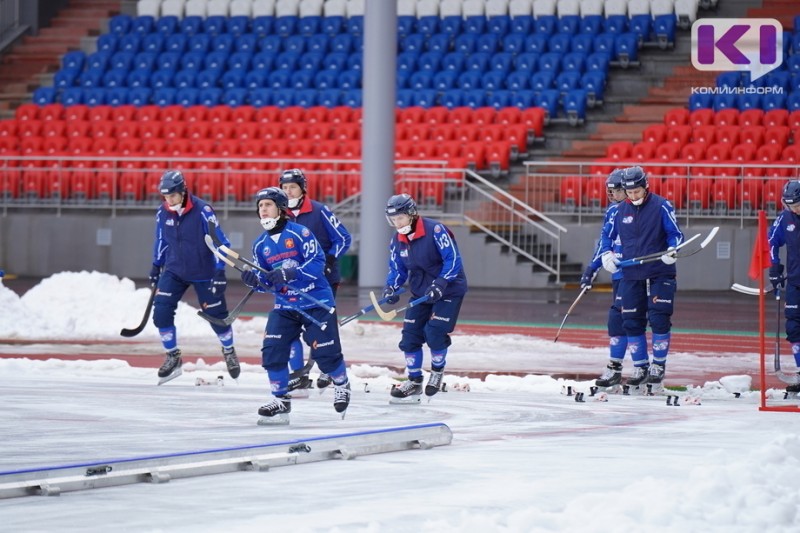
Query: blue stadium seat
[(191, 25), (232, 78), (262, 25), (319, 43), (271, 43), (223, 42), (451, 25), (748, 101), (522, 24), (185, 78), (451, 99), (626, 49), (700, 101), (91, 78), (115, 78), (514, 43), (664, 30), (309, 25), (177, 42), (240, 60), (488, 42), (422, 98), (188, 96), (413, 42), (283, 97), (478, 61), (605, 43), (260, 97), (641, 25), (793, 101), (326, 79), (332, 25), (329, 98), (729, 79), (548, 100), (162, 78), (306, 98), (542, 80), (70, 96), (405, 61), (288, 60), (98, 61), (575, 106), (164, 96), (550, 61), (546, 24), (537, 43), (466, 43), (560, 42), (153, 42), (279, 79), (527, 61), (615, 24), (454, 61), (474, 98), (524, 99), (499, 99), (350, 79), (430, 61), (342, 43), (406, 25), (474, 24), (117, 96), (594, 83), (311, 61), (302, 79), (591, 25), (200, 42), (256, 78), (498, 24), (778, 78), (264, 60), (518, 80), (338, 61), (355, 61), (295, 43), (445, 80), (574, 61), (427, 25), (355, 25), (108, 42), (208, 78), (215, 25), (493, 81), (724, 101), (568, 81), (209, 97), (130, 43), (440, 42), (239, 25), (773, 101), (94, 96), (140, 96), (145, 61), (353, 98), (470, 79), (65, 79), (502, 62), (569, 24), (120, 24), (598, 61)]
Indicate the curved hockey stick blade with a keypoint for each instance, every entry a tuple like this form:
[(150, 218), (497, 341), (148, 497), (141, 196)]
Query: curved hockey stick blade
[(571, 307), (367, 309), (233, 314), (389, 315), (752, 291), (125, 332)]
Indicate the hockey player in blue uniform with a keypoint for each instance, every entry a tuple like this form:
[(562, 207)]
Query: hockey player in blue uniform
[(182, 259), (423, 252), (786, 231), (644, 223), (294, 262), (617, 341), (334, 239)]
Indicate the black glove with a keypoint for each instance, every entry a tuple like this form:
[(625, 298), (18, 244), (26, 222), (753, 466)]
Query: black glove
[(250, 278), (776, 277), (390, 296), (155, 274), (436, 290), (330, 262), (219, 281), (281, 276), (588, 277)]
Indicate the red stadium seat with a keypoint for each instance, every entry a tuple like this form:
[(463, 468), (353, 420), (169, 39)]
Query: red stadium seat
[(728, 134), (223, 130), (700, 117), (719, 152), (27, 112), (656, 133), (754, 135), (54, 128), (644, 151), (508, 115), (195, 113), (243, 114), (80, 145), (571, 192), (172, 113), (484, 115), (29, 128), (293, 115), (726, 117), (76, 112), (596, 193), (411, 115), (724, 195), (148, 113), (751, 117), (751, 194), (197, 130), (773, 190), (679, 134), (270, 131), (124, 130), (775, 117), (316, 115), (341, 115), (220, 113), (743, 152), (174, 129), (436, 115), (673, 188), (51, 112), (463, 115), (777, 135), (533, 117), (123, 113), (78, 129), (668, 151), (101, 128), (769, 153), (677, 117), (791, 153), (619, 151), (704, 134)]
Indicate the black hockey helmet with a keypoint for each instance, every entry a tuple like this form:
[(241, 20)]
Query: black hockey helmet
[(400, 204), (633, 177), (791, 192), (614, 180), (294, 175), (276, 195)]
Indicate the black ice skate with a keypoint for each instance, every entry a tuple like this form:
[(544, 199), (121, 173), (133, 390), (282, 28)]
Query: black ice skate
[(408, 392), (171, 368), (341, 398), (323, 381), (656, 374), (612, 376), (231, 361), (434, 382), (300, 382), (793, 389), (639, 376), (275, 412)]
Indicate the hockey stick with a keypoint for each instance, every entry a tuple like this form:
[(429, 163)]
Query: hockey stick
[(232, 314), (752, 291), (210, 244), (678, 252), (367, 309), (571, 307), (389, 315), (125, 332), (777, 362), (232, 254)]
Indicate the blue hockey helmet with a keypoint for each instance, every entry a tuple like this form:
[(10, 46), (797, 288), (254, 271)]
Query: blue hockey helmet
[(172, 181), (401, 204), (294, 175), (276, 195), (614, 180), (791, 192), (633, 177)]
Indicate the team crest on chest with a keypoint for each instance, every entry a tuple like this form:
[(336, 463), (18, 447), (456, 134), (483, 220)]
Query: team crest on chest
[(627, 220), (289, 243), (790, 227)]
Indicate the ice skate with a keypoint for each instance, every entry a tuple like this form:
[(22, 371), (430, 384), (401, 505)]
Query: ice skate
[(231, 361), (612, 376), (341, 398), (639, 376), (434, 383), (656, 374), (408, 392), (171, 368), (275, 412), (300, 382), (323, 381), (793, 389)]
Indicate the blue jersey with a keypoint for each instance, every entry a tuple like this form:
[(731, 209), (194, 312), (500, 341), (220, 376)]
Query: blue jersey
[(429, 253), (294, 247), (333, 237), (786, 230), (597, 258), (180, 244), (644, 229)]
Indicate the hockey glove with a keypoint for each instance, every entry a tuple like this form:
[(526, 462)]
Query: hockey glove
[(669, 258), (330, 262), (155, 274), (776, 277), (250, 278), (220, 281), (588, 277), (390, 296), (281, 276), (610, 262), (436, 290)]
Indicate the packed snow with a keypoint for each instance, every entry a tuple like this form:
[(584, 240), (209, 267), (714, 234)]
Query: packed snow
[(525, 456)]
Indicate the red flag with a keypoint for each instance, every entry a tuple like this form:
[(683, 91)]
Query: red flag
[(760, 258)]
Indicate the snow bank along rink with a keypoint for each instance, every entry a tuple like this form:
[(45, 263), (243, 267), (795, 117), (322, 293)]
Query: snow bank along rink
[(525, 457)]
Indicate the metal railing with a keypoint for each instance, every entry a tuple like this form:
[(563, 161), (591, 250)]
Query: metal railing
[(10, 27)]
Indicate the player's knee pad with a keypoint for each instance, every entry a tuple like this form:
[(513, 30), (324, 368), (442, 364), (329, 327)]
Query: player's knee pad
[(163, 315), (660, 323), (437, 337), (615, 325), (274, 357)]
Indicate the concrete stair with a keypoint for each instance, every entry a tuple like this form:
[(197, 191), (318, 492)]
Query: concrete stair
[(34, 57)]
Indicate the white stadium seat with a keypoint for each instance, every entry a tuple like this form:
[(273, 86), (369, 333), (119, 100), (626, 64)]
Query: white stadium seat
[(355, 8), (335, 8), (172, 8), (217, 8), (407, 8), (450, 8), (241, 8), (661, 7), (592, 7), (568, 8), (150, 8), (473, 8), (311, 8), (520, 8), (496, 8), (287, 8), (638, 7), (195, 8), (544, 7), (616, 7), (263, 8)]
